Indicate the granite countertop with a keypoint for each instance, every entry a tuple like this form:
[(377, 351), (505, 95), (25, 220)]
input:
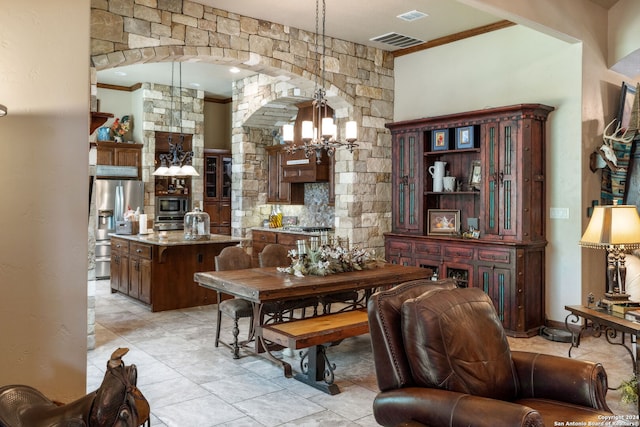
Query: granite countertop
[(176, 238), (285, 230)]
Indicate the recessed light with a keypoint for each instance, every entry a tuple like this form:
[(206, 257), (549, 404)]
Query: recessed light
[(234, 70), (119, 73), (195, 84)]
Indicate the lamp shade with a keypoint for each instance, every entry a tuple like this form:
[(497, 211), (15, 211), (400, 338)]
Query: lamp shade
[(188, 170), (613, 225), (161, 171)]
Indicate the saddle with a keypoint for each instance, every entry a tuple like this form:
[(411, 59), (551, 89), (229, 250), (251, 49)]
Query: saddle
[(116, 403)]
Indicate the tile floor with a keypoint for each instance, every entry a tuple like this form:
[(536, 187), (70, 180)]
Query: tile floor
[(188, 382)]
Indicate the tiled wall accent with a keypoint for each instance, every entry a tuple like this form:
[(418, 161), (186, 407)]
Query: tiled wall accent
[(359, 86)]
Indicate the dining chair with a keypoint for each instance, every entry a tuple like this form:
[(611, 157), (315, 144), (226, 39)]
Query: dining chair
[(277, 255), (233, 258)]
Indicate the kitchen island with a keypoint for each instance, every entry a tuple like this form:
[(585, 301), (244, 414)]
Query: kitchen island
[(157, 269)]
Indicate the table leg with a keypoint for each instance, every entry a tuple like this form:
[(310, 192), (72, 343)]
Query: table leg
[(317, 371), (575, 338)]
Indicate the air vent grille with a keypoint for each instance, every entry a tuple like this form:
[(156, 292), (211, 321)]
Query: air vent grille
[(411, 15), (397, 40)]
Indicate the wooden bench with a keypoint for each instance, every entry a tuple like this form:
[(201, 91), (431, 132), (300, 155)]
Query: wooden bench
[(317, 333)]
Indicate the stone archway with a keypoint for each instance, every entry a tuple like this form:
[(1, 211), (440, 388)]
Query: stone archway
[(359, 82)]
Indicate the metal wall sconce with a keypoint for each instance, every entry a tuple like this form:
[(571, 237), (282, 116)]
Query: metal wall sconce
[(3, 110)]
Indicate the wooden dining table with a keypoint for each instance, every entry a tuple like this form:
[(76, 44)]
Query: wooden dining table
[(267, 284)]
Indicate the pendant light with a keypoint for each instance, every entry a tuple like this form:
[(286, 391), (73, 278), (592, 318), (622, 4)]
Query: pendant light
[(177, 162), (321, 132)]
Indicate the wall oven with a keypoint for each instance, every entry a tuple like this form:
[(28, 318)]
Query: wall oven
[(170, 212)]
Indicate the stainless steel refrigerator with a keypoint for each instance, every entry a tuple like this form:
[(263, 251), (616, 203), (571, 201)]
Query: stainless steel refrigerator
[(113, 198)]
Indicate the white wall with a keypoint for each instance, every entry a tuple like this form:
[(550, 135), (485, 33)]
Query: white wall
[(623, 40), (44, 82), (512, 66), (122, 103)]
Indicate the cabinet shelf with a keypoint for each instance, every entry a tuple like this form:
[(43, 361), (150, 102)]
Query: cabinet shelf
[(452, 193), (440, 153)]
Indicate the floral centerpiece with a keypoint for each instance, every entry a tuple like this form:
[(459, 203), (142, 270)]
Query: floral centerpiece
[(120, 127), (329, 259)]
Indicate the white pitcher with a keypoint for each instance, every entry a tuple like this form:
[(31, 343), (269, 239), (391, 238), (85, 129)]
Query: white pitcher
[(437, 173)]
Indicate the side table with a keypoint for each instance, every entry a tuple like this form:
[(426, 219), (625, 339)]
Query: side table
[(611, 325)]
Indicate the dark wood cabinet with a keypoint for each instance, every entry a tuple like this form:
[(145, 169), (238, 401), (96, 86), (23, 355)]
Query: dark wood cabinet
[(131, 269), (278, 190), (507, 258), (217, 190), (118, 154)]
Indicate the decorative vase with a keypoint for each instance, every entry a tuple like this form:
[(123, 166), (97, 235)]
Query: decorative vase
[(103, 133), (437, 173), (117, 138)]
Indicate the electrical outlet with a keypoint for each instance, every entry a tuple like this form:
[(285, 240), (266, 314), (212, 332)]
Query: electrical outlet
[(559, 213)]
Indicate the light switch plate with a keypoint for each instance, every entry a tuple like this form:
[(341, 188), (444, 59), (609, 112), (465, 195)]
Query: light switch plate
[(559, 213)]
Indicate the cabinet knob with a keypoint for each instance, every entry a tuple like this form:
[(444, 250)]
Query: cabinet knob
[(138, 250)]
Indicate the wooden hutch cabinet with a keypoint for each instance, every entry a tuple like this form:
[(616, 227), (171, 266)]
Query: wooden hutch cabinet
[(217, 190), (506, 259)]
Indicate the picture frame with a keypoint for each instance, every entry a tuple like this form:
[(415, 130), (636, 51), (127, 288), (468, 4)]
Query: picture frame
[(464, 137), (475, 175), (627, 96), (440, 140), (443, 222)]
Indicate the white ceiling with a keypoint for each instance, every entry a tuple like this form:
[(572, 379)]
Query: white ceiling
[(352, 20)]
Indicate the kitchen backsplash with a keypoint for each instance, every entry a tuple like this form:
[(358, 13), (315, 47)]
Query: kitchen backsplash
[(316, 210)]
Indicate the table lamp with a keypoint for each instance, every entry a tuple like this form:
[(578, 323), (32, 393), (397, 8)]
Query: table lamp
[(614, 228)]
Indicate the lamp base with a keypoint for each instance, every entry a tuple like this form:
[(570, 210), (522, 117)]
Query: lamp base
[(612, 298)]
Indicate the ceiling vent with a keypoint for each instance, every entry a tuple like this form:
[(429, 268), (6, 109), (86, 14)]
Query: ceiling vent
[(411, 15), (397, 40)]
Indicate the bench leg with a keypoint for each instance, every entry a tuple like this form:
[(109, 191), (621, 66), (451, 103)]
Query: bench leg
[(317, 371)]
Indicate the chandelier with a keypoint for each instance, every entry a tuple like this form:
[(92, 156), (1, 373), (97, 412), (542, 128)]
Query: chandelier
[(321, 132), (177, 162)]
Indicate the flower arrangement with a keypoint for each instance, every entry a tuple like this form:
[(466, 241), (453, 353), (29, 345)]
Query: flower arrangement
[(329, 259), (121, 126), (629, 390)]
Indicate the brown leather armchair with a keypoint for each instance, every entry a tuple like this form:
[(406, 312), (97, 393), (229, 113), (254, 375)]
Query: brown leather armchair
[(442, 359)]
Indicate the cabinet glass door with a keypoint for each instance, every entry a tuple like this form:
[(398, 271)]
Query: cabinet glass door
[(500, 177), (226, 177), (408, 176), (211, 170)]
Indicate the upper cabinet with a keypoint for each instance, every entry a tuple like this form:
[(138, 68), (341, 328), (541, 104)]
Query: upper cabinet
[(124, 156), (495, 157)]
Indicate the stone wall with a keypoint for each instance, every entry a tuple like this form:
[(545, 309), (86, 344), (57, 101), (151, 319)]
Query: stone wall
[(164, 110), (359, 83)]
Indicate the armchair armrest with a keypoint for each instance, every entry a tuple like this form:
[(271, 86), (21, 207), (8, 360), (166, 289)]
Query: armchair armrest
[(559, 378), (435, 407)]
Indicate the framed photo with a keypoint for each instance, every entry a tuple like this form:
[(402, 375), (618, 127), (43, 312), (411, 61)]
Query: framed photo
[(475, 175), (627, 96), (443, 221), (440, 140), (464, 137)]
